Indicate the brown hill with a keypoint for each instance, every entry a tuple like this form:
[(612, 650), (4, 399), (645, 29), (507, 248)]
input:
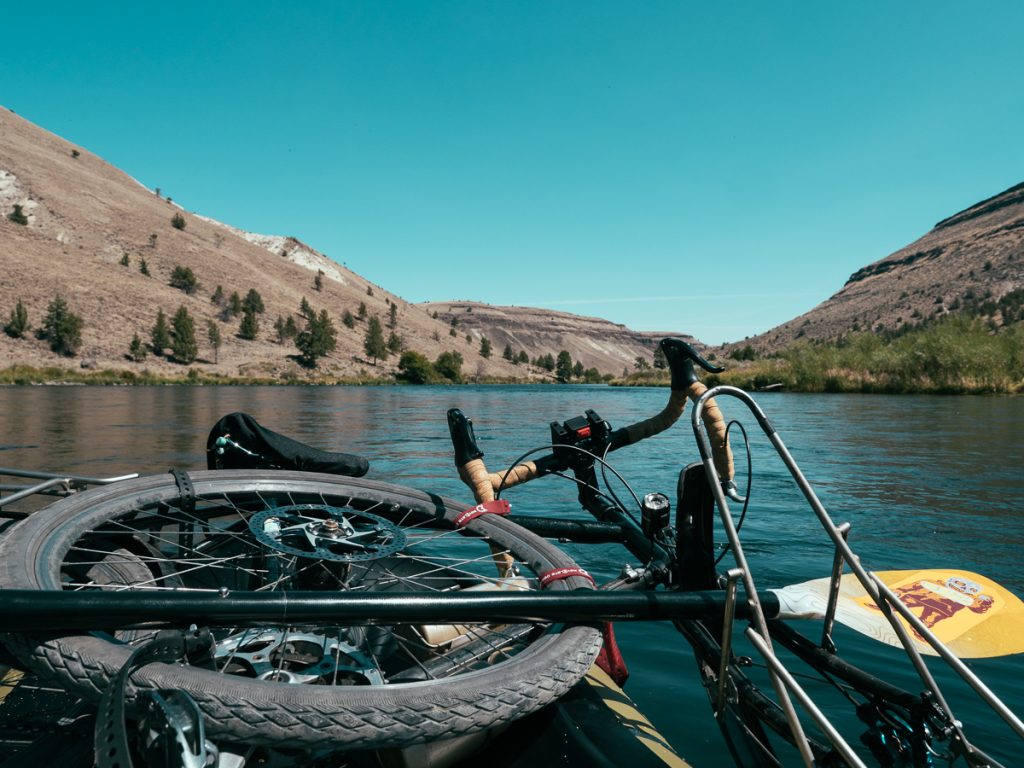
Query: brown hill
[(593, 342), (970, 257), (85, 217)]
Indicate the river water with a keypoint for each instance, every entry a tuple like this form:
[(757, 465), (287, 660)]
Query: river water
[(925, 482)]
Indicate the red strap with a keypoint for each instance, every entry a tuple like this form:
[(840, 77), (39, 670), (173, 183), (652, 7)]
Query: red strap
[(557, 574), (610, 658), (494, 507)]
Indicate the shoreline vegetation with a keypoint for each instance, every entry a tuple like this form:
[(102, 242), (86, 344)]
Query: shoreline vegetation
[(955, 355)]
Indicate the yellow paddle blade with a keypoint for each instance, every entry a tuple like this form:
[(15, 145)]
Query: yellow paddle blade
[(971, 614)]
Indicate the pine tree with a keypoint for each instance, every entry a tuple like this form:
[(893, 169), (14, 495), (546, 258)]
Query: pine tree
[(373, 343), (184, 279), (393, 317), (253, 301), (18, 325), (184, 347), (395, 343), (137, 350), (563, 366), (178, 221), (290, 329), (124, 259), (18, 216), (250, 325), (306, 310), (279, 329), (523, 357), (369, 291), (507, 353), (317, 340), (361, 314), (218, 296), (144, 268), (347, 319), (160, 336), (485, 347), (318, 281), (213, 335), (62, 328), (577, 370)]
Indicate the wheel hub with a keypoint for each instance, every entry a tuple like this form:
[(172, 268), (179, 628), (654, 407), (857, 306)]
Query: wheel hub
[(317, 531)]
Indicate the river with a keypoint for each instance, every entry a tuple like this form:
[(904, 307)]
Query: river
[(925, 481)]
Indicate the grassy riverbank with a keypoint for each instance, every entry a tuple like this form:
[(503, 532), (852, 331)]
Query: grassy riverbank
[(957, 355)]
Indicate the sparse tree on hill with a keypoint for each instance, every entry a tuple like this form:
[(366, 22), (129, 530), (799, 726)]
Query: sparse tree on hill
[(306, 310), (213, 335), (178, 221), (485, 347), (373, 343), (507, 353), (547, 362), (395, 343), (184, 279), (290, 329), (124, 259), (17, 326), (279, 329), (347, 319), (317, 340), (18, 215), (62, 328), (641, 364), (523, 357), (369, 291), (137, 350), (235, 304), (563, 366), (152, 240), (144, 267), (250, 325), (160, 336), (452, 332), (361, 313), (393, 317), (318, 281), (184, 347), (217, 298), (660, 362), (253, 301)]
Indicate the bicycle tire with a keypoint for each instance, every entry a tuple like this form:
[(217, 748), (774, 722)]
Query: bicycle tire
[(32, 556)]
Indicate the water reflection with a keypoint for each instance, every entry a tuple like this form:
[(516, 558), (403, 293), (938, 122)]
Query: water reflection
[(925, 481)]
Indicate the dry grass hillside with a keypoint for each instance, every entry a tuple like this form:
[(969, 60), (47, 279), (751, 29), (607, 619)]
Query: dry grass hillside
[(86, 217), (973, 257), (595, 343)]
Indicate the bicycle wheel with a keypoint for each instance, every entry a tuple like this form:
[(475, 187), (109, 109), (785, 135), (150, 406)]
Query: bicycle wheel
[(355, 687)]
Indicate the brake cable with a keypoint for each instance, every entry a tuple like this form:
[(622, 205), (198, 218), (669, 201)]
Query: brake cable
[(750, 482)]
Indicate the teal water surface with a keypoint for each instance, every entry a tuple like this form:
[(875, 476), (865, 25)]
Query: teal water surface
[(924, 481)]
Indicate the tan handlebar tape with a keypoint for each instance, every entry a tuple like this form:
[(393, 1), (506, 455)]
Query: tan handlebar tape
[(652, 426), (475, 475), (715, 424), (521, 473)]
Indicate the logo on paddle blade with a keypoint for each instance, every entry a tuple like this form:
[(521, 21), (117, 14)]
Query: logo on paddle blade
[(935, 601)]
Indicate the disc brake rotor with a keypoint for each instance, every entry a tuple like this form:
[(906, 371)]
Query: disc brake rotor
[(295, 657), (317, 531)]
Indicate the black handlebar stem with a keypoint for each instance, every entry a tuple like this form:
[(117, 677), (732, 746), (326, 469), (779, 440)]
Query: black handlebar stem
[(681, 357), (463, 439)]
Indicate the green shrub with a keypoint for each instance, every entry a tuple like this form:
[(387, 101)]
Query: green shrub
[(184, 279), (449, 365), (62, 328), (17, 327), (18, 215), (178, 221), (415, 368)]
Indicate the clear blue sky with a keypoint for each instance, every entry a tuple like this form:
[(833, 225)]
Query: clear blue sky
[(711, 168)]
